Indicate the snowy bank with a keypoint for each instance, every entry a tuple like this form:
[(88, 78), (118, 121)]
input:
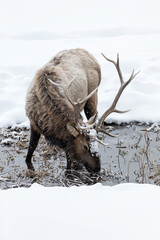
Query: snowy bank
[(130, 28), (124, 212), (142, 95)]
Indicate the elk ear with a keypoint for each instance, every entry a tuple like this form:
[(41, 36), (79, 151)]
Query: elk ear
[(72, 130)]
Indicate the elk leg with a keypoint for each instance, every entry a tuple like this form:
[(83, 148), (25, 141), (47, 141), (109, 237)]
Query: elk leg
[(90, 108), (34, 138), (68, 162)]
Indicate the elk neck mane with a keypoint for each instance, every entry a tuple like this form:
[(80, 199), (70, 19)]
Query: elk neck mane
[(53, 108)]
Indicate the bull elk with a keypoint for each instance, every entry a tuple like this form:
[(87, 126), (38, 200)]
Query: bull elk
[(60, 90)]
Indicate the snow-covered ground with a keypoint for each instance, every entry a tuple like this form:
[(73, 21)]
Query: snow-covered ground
[(123, 212), (33, 31)]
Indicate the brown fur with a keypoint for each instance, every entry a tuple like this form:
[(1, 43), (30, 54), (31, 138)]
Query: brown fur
[(48, 109)]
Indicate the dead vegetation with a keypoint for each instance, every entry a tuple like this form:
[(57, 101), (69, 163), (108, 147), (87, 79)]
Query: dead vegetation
[(134, 156)]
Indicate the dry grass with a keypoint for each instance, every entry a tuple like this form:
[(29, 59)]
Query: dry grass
[(132, 157)]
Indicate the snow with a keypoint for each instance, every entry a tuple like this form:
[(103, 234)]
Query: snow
[(126, 211), (127, 28), (7, 141), (142, 96)]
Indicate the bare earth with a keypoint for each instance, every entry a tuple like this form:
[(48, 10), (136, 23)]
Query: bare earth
[(134, 156)]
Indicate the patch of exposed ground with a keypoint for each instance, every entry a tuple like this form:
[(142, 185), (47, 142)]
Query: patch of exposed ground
[(133, 156)]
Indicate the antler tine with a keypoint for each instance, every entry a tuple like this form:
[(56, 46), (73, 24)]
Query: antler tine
[(108, 133), (110, 60), (76, 105), (71, 81), (90, 124), (112, 108), (119, 70), (77, 108), (133, 75), (96, 139), (55, 84), (80, 102), (117, 66), (65, 88)]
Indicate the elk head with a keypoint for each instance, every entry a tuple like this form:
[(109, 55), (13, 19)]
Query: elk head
[(78, 150)]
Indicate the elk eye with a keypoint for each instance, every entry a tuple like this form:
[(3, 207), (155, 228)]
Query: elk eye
[(85, 147)]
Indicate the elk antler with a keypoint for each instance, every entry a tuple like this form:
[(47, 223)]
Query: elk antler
[(76, 105), (112, 108)]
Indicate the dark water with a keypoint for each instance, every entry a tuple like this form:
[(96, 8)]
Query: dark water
[(133, 156)]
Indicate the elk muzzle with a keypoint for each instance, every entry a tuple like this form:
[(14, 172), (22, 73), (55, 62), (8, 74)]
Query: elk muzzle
[(92, 165)]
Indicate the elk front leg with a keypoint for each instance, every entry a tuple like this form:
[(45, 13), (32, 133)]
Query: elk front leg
[(34, 138), (68, 162)]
